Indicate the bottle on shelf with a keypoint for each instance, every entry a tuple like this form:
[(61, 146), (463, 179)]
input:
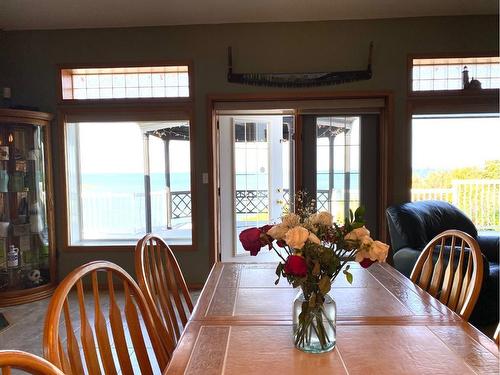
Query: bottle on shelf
[(13, 257)]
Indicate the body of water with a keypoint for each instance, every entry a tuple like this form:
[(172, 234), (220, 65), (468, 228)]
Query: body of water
[(134, 182)]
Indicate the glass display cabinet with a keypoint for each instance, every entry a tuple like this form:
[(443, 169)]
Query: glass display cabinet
[(27, 252)]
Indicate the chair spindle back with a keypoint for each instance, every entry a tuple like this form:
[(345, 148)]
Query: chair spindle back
[(114, 332), (161, 279), (456, 276)]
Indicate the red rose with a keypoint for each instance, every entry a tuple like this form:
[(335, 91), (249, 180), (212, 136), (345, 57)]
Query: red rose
[(265, 228), (266, 239), (281, 243), (296, 266), (250, 239), (366, 262)]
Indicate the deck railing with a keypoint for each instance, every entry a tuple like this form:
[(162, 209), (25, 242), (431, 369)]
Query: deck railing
[(478, 199), (124, 212), (119, 212)]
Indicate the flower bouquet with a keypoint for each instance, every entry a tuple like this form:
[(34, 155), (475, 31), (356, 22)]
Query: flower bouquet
[(313, 251)]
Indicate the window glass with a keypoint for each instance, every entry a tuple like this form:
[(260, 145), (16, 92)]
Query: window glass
[(126, 179), (125, 82), (436, 74), (456, 158)]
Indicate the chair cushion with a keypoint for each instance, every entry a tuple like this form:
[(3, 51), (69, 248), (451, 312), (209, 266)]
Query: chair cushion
[(405, 259)]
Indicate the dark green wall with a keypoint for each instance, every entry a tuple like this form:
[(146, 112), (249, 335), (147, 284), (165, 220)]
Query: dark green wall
[(28, 59)]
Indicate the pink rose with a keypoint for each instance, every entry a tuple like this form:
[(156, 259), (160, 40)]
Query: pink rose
[(296, 266)]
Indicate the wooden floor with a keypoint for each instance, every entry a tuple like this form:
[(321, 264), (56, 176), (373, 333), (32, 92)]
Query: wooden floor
[(25, 330)]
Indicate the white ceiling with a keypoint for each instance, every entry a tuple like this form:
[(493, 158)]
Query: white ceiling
[(74, 14)]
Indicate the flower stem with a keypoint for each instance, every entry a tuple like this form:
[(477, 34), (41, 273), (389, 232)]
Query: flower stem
[(277, 252)]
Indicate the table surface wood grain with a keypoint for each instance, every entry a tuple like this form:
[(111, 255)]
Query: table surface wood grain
[(385, 325)]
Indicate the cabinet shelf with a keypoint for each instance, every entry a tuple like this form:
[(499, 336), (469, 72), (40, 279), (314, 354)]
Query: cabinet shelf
[(27, 252)]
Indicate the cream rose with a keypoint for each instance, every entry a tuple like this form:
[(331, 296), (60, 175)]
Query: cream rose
[(378, 251), (290, 220), (278, 231), (313, 238), (322, 218), (357, 234), (296, 237), (361, 254), (366, 242)]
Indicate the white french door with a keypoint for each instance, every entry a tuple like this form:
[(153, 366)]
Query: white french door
[(255, 176)]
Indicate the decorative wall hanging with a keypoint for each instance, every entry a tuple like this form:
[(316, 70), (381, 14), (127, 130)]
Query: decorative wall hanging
[(299, 79)]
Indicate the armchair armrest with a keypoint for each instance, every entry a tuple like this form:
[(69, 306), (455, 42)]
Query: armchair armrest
[(489, 242)]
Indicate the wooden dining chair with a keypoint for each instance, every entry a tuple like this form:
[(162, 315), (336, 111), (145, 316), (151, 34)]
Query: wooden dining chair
[(26, 362), (496, 335), (160, 278), (455, 283), (116, 335)]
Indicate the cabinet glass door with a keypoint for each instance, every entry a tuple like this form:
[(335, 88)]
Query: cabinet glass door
[(24, 237)]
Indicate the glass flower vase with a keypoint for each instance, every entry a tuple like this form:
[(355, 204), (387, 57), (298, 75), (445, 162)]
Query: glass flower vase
[(314, 323)]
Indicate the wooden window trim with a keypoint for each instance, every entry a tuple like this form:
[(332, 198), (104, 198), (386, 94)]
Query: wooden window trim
[(119, 112)]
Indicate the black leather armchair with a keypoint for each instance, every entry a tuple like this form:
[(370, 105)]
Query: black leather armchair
[(413, 225)]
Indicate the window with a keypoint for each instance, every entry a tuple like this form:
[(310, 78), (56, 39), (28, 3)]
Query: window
[(437, 74), (455, 158), (128, 178), (125, 82)]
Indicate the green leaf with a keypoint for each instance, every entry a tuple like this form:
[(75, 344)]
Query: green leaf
[(279, 269), (351, 216), (356, 224), (348, 276), (359, 214)]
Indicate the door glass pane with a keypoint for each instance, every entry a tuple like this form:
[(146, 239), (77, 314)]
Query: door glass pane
[(337, 163), (251, 172), (259, 176)]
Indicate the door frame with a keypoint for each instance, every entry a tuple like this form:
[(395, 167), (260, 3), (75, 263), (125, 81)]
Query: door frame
[(385, 134)]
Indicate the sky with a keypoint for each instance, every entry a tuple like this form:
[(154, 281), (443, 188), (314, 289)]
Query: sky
[(454, 143), (436, 144), (117, 147)]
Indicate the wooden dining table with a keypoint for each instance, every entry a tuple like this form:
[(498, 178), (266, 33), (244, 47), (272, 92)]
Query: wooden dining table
[(242, 324)]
